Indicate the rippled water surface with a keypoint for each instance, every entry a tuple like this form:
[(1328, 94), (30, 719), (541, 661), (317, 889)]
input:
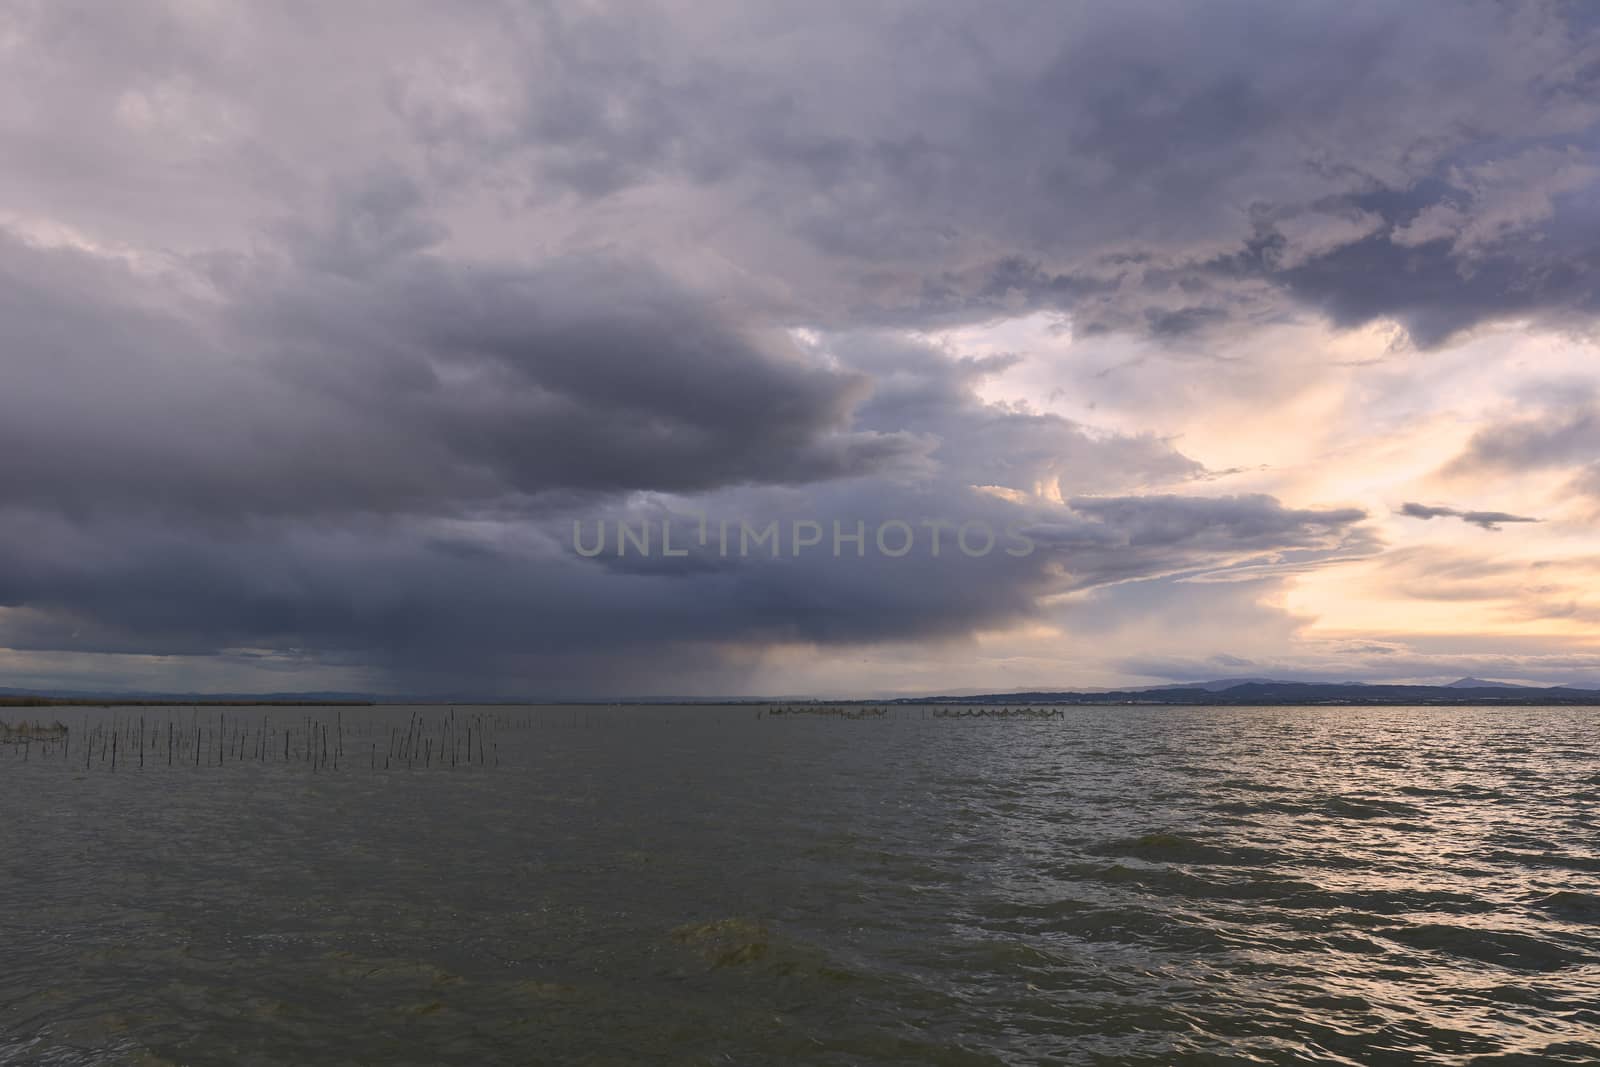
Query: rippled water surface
[(716, 885)]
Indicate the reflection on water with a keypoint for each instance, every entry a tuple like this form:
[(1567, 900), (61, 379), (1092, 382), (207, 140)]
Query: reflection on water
[(703, 885)]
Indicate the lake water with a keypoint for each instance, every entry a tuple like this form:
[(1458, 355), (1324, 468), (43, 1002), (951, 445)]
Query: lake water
[(1124, 885)]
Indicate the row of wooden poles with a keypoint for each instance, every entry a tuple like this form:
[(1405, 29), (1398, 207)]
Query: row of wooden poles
[(999, 713), (828, 711), (448, 740)]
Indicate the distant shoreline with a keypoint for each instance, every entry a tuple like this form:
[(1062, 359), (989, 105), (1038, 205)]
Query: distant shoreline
[(1163, 698), (145, 702)]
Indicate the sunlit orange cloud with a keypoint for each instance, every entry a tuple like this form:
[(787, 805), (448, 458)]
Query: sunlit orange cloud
[(1297, 409), (1555, 597), (1318, 417)]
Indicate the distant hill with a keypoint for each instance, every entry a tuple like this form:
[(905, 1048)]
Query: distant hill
[(1215, 686), (1465, 691)]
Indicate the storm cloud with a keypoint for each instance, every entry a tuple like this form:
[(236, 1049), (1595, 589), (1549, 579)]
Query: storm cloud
[(435, 387)]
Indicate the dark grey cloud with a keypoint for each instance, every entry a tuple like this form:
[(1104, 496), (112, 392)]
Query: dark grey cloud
[(1559, 431), (432, 387), (1256, 520), (1548, 438), (497, 612), (1147, 166), (1436, 289), (1489, 520), (1135, 538)]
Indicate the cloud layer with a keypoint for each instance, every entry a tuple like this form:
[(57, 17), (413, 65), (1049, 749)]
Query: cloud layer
[(320, 331)]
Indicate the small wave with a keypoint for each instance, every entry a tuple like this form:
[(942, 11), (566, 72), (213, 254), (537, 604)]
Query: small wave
[(1570, 904), (1002, 954), (1547, 859), (1428, 791), (1166, 881), (1127, 924), (1333, 807), (1176, 848), (1250, 786), (1394, 900), (1333, 1002), (1503, 947), (1525, 995), (1365, 808)]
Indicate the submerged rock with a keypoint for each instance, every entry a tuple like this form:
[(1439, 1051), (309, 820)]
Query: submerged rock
[(726, 942)]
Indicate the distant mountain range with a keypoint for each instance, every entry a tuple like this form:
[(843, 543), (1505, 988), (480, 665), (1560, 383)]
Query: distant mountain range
[(1268, 691)]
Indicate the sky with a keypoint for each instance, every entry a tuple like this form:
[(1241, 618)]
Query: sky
[(1259, 337)]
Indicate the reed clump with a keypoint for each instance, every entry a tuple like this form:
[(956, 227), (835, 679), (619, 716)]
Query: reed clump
[(16, 733)]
